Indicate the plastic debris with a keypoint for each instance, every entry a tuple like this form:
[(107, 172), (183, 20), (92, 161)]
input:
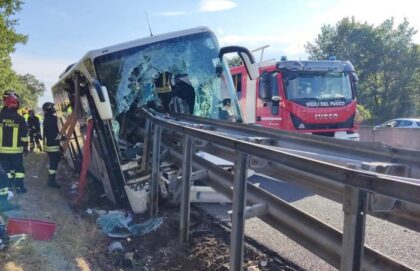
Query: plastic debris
[(100, 212), (16, 239), (89, 211), (118, 224), (37, 229), (144, 228), (128, 261), (73, 188), (13, 213), (138, 195), (9, 195), (115, 223), (263, 263), (115, 246)]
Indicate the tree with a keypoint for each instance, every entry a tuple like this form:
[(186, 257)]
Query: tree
[(8, 40), (385, 59), (8, 37), (30, 91), (27, 86), (234, 61)]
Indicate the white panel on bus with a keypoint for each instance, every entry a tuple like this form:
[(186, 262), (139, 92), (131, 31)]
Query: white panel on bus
[(250, 102)]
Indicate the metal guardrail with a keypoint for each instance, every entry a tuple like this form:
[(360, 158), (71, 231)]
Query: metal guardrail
[(343, 250), (402, 213), (367, 150)]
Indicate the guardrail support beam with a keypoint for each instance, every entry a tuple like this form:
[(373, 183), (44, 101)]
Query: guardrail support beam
[(256, 210), (146, 146), (154, 186), (184, 224), (238, 212), (352, 246)]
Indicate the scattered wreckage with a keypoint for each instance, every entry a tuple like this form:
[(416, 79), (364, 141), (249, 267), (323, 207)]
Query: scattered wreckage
[(180, 72), (176, 90)]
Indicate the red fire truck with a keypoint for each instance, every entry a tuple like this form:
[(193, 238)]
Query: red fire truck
[(315, 96)]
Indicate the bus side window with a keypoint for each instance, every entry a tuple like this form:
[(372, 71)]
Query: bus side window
[(237, 81)]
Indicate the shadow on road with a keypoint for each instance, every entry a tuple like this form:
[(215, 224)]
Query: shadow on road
[(286, 191)]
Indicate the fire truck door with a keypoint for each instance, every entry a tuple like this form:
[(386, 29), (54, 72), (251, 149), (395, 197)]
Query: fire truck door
[(267, 102)]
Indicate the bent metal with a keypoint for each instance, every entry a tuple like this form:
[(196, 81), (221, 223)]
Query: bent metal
[(157, 101)]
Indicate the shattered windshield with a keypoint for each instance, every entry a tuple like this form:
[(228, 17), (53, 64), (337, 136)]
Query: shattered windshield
[(182, 74), (318, 86)]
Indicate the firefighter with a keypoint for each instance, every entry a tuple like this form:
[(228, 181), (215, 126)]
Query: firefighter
[(25, 114), (13, 143), (34, 131), (52, 138), (6, 94)]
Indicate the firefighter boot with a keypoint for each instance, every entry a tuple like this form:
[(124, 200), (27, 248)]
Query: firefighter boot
[(52, 182), (11, 176), (5, 205), (39, 147)]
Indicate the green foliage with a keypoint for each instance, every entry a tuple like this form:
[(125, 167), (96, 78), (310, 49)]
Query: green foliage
[(27, 86), (8, 36), (385, 59), (30, 90), (234, 61), (363, 114)]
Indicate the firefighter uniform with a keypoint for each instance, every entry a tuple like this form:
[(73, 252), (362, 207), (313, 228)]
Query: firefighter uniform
[(34, 131), (5, 205), (13, 143), (52, 139)]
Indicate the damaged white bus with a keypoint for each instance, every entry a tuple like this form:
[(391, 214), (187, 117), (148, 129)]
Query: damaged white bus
[(180, 72)]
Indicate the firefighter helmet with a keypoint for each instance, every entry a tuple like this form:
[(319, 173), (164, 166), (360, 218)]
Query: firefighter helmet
[(11, 101), (7, 93), (48, 107)]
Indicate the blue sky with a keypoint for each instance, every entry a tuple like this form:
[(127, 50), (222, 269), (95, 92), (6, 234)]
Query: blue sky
[(61, 32)]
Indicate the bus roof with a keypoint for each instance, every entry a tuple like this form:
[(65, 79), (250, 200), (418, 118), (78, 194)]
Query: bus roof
[(126, 45)]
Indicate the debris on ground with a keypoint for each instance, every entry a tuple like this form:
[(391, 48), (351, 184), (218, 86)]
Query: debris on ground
[(16, 239), (115, 246), (118, 224), (80, 244)]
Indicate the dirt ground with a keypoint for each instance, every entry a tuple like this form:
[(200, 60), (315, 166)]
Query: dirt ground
[(79, 244)]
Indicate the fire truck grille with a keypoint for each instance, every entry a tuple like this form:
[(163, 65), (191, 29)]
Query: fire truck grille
[(300, 125)]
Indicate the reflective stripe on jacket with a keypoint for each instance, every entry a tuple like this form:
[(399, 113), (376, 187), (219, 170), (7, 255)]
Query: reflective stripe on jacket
[(51, 134), (13, 132)]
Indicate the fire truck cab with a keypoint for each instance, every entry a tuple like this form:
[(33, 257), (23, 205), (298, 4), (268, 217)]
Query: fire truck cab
[(315, 96)]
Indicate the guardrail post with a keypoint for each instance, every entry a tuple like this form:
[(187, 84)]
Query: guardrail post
[(238, 211), (146, 146), (154, 186), (352, 246), (184, 224)]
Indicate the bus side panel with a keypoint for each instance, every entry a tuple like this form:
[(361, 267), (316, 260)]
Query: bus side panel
[(109, 162), (99, 169)]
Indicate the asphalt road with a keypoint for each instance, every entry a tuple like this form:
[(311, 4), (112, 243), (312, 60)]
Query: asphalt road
[(395, 241)]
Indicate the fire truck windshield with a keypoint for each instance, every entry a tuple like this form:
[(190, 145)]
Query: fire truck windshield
[(182, 74), (318, 86)]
